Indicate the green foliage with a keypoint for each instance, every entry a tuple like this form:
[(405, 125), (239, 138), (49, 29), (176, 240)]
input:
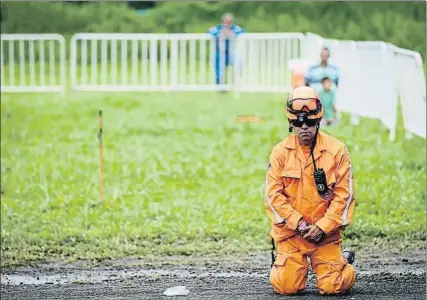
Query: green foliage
[(400, 23), (181, 176), (67, 18)]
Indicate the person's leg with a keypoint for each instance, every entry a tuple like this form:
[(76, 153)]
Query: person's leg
[(333, 273), (217, 69), (220, 72), (289, 272)]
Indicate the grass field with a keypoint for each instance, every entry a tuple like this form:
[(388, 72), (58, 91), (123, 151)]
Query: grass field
[(144, 73), (181, 176)]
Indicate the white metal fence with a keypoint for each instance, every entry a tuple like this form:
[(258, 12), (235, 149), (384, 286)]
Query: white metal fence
[(263, 61), (373, 75), (181, 62), (32, 63), (140, 62)]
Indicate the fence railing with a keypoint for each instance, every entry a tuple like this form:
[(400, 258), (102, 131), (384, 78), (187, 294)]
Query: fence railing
[(182, 62), (32, 63), (140, 62), (374, 76)]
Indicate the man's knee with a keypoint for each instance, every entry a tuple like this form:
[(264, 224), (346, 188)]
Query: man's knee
[(284, 285), (338, 282), (287, 277)]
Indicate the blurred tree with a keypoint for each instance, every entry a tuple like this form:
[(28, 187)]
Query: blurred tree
[(141, 4), (78, 2), (400, 23)]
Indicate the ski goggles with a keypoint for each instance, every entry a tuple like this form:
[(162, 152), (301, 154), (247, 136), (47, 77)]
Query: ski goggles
[(310, 106)]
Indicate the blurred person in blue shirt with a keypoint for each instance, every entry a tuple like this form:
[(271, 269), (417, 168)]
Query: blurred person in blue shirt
[(316, 73), (224, 35)]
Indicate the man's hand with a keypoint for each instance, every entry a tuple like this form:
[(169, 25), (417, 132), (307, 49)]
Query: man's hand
[(302, 227), (227, 32), (314, 234)]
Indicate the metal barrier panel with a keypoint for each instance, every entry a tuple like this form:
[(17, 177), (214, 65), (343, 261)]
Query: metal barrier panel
[(141, 62), (411, 88), (377, 97), (312, 46), (32, 63), (262, 61), (182, 62)]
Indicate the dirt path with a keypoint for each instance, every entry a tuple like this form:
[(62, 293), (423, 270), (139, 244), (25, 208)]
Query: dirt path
[(391, 276)]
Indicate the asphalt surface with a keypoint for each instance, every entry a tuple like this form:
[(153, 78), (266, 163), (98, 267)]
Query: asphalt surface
[(391, 276)]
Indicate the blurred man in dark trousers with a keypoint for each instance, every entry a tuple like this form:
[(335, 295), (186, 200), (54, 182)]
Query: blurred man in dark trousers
[(224, 35)]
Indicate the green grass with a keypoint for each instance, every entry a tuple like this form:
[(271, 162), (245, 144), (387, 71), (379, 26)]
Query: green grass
[(181, 176), (141, 73)]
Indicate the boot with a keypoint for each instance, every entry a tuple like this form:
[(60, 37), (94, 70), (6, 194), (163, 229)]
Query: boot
[(349, 255)]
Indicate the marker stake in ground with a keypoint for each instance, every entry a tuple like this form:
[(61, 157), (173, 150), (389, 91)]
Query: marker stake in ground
[(101, 162)]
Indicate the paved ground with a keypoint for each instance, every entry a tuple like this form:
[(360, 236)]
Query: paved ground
[(392, 276)]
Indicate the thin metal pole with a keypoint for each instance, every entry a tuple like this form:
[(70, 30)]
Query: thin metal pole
[(101, 161)]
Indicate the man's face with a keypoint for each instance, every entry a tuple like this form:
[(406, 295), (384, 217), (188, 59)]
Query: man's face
[(227, 21), (324, 55), (305, 133)]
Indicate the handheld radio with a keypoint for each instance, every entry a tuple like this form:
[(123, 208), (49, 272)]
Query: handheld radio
[(319, 174)]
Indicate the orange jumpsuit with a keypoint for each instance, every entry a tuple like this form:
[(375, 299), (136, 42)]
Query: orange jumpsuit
[(291, 194)]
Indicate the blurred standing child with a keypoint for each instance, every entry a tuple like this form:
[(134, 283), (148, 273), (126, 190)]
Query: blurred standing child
[(327, 97)]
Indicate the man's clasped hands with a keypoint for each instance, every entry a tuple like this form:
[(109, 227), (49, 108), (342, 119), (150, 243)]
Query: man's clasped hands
[(310, 232)]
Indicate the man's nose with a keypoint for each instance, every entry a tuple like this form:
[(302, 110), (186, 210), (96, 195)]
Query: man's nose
[(304, 126)]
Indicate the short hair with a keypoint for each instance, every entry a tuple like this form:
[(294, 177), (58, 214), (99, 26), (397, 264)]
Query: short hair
[(325, 78), (326, 49), (227, 15)]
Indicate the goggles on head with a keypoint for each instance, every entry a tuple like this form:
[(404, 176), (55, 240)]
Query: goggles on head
[(301, 119), (310, 106)]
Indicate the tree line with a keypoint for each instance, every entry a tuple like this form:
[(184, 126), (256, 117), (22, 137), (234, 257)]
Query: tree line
[(400, 23)]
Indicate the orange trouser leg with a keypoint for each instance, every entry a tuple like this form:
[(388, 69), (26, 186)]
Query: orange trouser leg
[(289, 272), (334, 275)]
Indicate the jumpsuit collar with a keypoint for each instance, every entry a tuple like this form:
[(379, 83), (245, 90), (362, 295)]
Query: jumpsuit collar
[(320, 146)]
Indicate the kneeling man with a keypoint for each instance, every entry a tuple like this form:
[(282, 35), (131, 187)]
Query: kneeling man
[(309, 201)]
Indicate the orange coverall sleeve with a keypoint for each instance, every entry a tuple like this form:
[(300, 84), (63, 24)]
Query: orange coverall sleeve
[(340, 211), (279, 204)]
